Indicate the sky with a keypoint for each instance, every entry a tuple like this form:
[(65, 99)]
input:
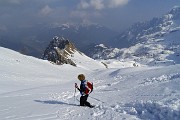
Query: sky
[(115, 14)]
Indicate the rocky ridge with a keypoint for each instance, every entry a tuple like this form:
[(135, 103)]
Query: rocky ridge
[(59, 51)]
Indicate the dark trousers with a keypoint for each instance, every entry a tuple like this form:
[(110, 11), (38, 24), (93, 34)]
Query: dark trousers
[(84, 102)]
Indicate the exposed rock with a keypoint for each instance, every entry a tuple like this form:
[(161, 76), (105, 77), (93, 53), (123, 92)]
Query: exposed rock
[(59, 51)]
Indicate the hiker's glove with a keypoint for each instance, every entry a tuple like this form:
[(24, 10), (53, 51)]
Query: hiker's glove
[(76, 86)]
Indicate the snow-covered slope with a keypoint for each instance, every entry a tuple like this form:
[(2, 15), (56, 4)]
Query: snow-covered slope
[(32, 89), (17, 68)]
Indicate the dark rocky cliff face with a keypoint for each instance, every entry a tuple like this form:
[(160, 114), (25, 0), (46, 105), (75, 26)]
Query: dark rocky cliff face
[(59, 51)]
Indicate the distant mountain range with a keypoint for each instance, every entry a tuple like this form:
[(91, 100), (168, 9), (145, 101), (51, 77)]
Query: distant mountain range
[(152, 42), (34, 40)]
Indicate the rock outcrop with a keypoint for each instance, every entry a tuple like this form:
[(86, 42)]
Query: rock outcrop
[(59, 51)]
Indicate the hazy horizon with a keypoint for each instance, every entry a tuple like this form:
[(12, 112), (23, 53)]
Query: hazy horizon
[(115, 14)]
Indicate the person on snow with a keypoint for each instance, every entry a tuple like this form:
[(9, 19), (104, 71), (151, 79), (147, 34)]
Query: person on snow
[(85, 89)]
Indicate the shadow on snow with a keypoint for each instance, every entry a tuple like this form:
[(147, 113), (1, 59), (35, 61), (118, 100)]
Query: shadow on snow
[(54, 102)]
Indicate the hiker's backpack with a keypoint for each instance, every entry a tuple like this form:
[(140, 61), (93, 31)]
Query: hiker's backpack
[(89, 88)]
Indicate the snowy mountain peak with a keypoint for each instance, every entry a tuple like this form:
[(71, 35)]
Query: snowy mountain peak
[(77, 27), (175, 12), (156, 27), (101, 45)]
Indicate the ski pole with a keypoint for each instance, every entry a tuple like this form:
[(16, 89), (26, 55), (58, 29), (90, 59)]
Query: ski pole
[(75, 92), (96, 99)]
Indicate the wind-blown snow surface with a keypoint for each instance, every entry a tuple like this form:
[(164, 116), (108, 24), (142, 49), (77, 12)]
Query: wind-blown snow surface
[(33, 89)]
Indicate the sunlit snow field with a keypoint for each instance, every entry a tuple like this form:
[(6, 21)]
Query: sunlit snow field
[(34, 89)]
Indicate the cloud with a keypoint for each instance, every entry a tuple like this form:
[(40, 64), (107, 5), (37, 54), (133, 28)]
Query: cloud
[(85, 16), (96, 4), (83, 4), (117, 3), (46, 10), (15, 1), (10, 1), (101, 4)]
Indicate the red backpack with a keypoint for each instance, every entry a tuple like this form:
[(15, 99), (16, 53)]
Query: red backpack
[(89, 88)]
